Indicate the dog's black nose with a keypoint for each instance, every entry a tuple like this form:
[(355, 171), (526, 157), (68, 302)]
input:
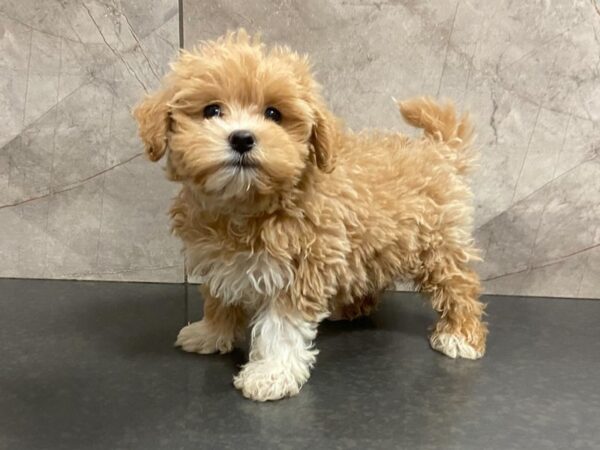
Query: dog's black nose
[(241, 141)]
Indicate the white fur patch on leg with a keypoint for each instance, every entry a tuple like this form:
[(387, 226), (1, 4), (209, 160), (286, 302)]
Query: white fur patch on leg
[(200, 337), (454, 346), (281, 357)]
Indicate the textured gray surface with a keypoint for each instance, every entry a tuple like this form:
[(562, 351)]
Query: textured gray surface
[(91, 365), (528, 72)]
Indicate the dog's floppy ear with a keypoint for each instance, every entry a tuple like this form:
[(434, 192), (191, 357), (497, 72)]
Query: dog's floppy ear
[(153, 118), (322, 137)]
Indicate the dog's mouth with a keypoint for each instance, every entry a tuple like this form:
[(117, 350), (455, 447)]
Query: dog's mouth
[(242, 162)]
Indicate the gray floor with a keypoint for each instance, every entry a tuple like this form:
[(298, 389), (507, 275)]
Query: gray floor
[(89, 365)]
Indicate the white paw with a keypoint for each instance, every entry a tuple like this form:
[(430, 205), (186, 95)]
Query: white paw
[(199, 337), (453, 346), (266, 380)]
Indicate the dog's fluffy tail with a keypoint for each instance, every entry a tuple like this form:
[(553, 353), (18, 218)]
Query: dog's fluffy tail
[(440, 123)]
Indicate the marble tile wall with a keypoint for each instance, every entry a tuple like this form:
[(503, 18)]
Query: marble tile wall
[(77, 198), (78, 201)]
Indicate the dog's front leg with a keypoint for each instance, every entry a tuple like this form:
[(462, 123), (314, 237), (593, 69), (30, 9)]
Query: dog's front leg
[(219, 330), (281, 354)]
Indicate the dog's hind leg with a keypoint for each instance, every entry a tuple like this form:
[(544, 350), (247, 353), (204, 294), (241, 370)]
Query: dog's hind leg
[(454, 289), (360, 307), (218, 331)]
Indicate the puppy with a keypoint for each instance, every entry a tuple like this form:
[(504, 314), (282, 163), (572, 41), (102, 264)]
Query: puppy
[(290, 218)]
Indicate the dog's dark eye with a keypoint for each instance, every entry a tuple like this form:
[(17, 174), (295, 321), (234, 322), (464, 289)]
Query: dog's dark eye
[(212, 111), (273, 114)]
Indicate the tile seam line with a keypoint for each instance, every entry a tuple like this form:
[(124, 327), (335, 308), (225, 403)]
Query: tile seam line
[(180, 7), (186, 280)]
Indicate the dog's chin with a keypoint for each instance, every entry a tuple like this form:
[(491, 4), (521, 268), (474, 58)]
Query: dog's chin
[(239, 191), (233, 181)]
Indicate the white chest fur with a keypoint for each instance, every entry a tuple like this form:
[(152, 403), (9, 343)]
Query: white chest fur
[(238, 276)]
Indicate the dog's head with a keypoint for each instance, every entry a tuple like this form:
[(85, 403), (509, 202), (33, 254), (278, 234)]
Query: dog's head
[(239, 121)]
